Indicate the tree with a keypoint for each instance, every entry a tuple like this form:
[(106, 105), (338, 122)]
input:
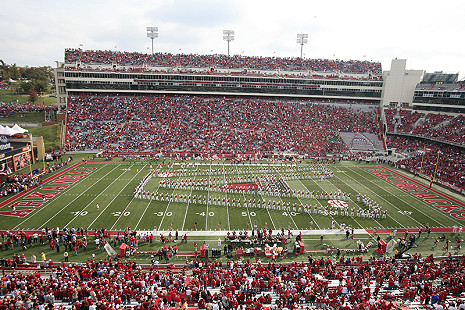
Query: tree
[(25, 86), (38, 77), (40, 86), (32, 95), (9, 71)]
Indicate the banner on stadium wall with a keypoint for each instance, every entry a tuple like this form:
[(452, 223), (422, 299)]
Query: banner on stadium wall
[(21, 160), (5, 145)]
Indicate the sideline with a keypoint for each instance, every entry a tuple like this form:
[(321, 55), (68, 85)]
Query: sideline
[(314, 232)]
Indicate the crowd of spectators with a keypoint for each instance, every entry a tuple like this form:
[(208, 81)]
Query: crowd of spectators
[(441, 127), (330, 282), (10, 108), (195, 61), (424, 154), (326, 283), (404, 145), (19, 182), (429, 125), (215, 125)]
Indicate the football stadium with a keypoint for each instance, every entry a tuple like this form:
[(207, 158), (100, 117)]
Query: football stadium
[(236, 182)]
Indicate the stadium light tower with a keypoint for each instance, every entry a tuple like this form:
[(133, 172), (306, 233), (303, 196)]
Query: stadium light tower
[(302, 38), (152, 33), (228, 35)]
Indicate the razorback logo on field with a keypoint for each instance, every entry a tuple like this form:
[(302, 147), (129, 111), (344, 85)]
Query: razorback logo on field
[(338, 204), (240, 186), (165, 174)]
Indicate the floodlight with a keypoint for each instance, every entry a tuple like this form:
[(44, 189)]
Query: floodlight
[(228, 35), (152, 33), (302, 38)]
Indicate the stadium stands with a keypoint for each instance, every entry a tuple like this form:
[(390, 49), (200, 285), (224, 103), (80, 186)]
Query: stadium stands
[(7, 109), (227, 126), (190, 124), (194, 61), (441, 127), (326, 283), (451, 166)]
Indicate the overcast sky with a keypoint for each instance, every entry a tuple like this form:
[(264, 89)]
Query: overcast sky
[(429, 34)]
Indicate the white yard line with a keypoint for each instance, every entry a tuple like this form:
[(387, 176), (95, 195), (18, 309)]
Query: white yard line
[(332, 218), (290, 215), (226, 199), (91, 202), (429, 206), (269, 214), (247, 207), (373, 237), (310, 212), (150, 201), (187, 208), (166, 209), (400, 225), (208, 195), (420, 224), (114, 198), (352, 201)]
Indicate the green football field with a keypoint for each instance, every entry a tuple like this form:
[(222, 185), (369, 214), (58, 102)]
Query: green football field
[(230, 197)]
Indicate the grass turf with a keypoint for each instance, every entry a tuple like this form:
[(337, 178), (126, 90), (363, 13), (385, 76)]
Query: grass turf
[(112, 186)]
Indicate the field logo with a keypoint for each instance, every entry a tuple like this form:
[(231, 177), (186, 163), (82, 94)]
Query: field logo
[(240, 186), (165, 174), (338, 204)]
